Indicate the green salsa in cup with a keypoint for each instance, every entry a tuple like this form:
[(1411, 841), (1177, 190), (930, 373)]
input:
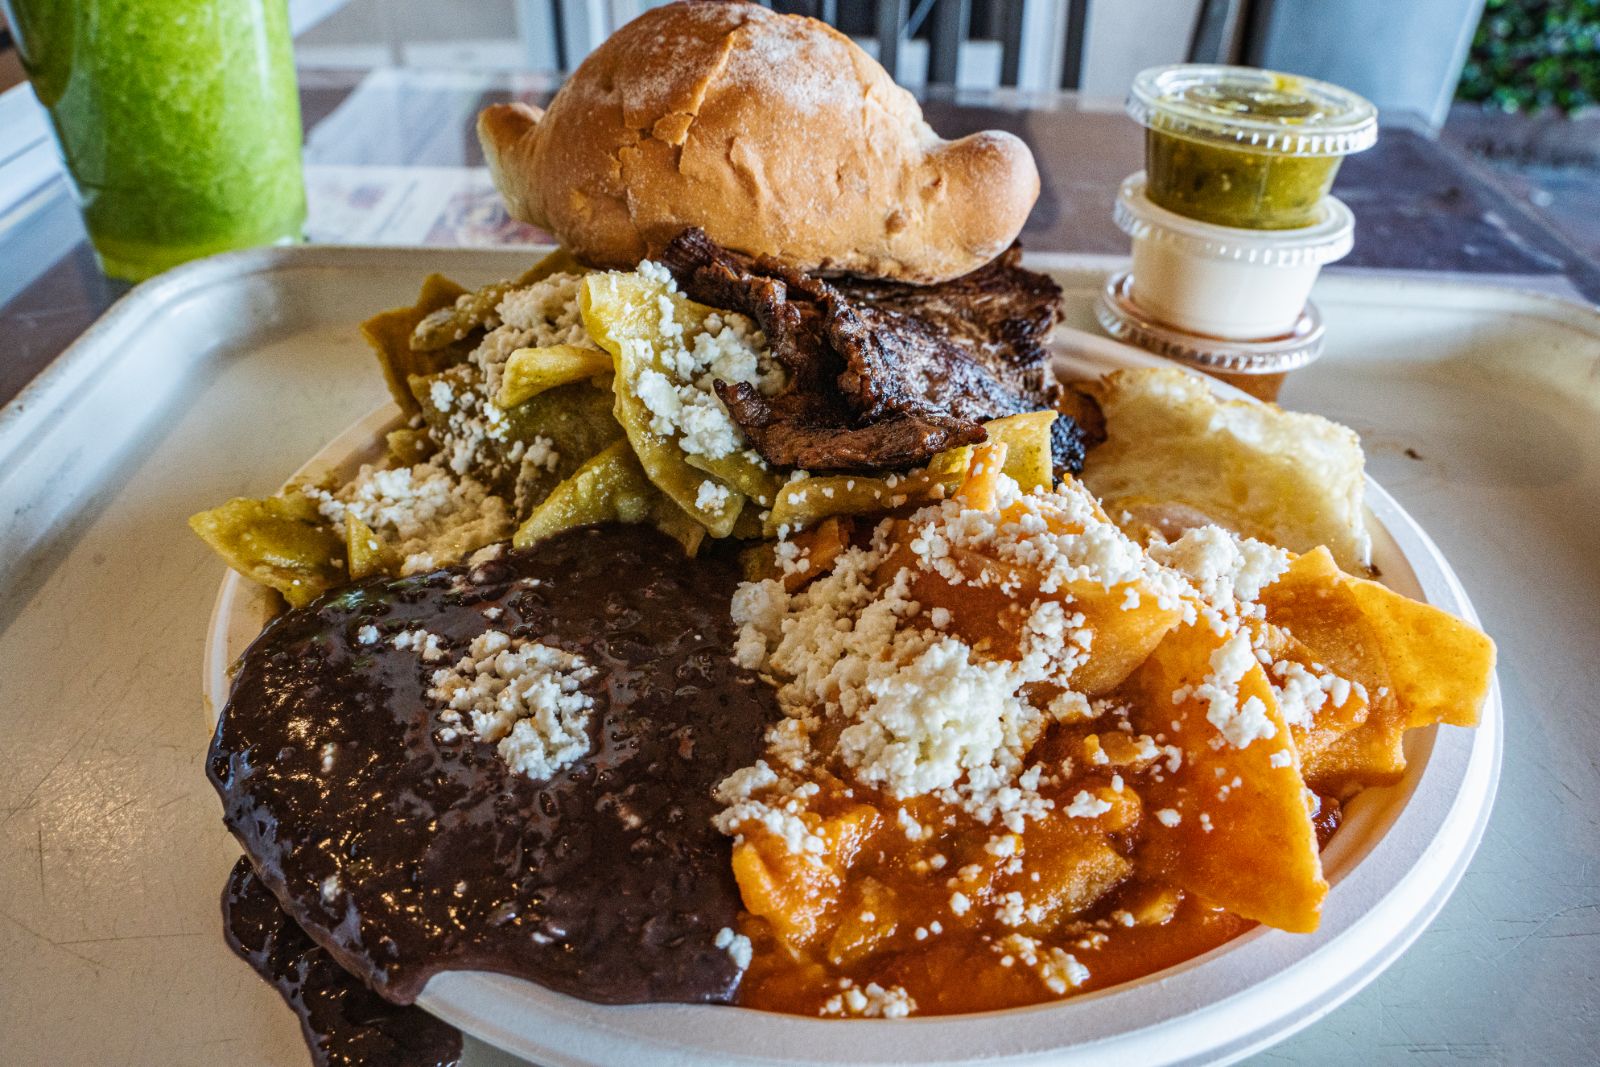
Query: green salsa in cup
[(1235, 146), (179, 121)]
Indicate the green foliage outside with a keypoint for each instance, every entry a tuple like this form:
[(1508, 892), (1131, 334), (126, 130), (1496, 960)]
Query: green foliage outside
[(1533, 54)]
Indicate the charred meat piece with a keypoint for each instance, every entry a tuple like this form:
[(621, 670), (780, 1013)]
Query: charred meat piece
[(882, 376), (812, 431), (829, 417), (1000, 315)]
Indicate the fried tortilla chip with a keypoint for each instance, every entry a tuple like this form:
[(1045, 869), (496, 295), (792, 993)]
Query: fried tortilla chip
[(568, 423), (576, 422), (813, 553), (367, 553), (446, 326), (1285, 477), (1338, 749), (530, 371), (990, 600), (1027, 441), (281, 542), (794, 890), (1231, 823), (389, 334), (990, 607), (611, 487), (1416, 664), (1440, 667), (745, 472), (623, 313), (408, 447), (805, 501), (438, 330)]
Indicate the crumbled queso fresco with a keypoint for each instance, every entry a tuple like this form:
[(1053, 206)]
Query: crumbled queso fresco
[(912, 710), (736, 945), (521, 695), (1058, 969), (425, 513), (1226, 570), (436, 512), (1240, 722), (921, 712), (871, 1001), (680, 397), (535, 316)]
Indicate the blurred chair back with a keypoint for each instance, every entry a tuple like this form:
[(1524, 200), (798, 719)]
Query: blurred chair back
[(1024, 44), (1094, 46), (1031, 45)]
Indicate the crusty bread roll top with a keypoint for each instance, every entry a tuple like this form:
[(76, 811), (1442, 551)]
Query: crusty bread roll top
[(773, 133)]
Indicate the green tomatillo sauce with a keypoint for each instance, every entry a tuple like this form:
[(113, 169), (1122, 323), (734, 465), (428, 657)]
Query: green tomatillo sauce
[(1219, 183), (1229, 181)]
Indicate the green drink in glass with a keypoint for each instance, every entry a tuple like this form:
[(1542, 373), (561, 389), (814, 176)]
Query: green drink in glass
[(179, 121)]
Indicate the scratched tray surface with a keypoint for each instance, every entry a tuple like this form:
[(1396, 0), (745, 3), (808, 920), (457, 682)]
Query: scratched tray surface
[(220, 380)]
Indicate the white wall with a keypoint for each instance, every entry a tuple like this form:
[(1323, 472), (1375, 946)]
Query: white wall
[(1122, 37)]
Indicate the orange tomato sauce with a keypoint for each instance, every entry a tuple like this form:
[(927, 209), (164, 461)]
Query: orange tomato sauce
[(967, 915), (876, 905), (875, 908)]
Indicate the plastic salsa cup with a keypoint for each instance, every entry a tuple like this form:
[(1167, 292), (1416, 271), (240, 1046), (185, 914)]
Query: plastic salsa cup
[(1224, 281), (1253, 149), (1257, 367)]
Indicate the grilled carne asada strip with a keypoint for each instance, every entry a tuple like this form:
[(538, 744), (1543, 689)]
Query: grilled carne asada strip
[(883, 376)]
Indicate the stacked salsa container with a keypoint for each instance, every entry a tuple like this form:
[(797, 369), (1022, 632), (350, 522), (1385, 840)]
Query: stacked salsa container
[(1231, 218)]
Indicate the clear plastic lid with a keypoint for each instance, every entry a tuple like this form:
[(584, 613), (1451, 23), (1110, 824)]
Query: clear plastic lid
[(1253, 110), (1330, 236), (1120, 317)]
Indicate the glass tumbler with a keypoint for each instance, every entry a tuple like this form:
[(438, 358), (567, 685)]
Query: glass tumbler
[(179, 121)]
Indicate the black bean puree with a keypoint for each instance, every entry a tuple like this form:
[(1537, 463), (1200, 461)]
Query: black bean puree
[(345, 1023), (409, 855)]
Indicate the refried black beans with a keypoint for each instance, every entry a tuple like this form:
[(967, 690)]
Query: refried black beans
[(404, 855)]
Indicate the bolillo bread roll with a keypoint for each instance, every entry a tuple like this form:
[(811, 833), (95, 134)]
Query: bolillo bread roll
[(773, 133)]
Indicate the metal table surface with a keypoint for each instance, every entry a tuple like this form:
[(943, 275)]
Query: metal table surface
[(1420, 207)]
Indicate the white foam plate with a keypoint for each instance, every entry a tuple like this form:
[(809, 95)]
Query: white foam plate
[(1393, 863)]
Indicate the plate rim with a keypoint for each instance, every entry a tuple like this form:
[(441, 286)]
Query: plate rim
[(1283, 982)]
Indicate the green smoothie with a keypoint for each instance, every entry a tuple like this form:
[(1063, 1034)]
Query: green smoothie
[(179, 121)]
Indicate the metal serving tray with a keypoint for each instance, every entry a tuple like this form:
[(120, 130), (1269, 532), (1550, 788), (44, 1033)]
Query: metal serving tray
[(1480, 409)]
